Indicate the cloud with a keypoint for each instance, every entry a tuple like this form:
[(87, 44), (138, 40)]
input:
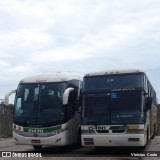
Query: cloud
[(70, 35), (60, 54)]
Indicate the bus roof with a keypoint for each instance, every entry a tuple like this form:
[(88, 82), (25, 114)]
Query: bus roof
[(114, 72), (55, 77)]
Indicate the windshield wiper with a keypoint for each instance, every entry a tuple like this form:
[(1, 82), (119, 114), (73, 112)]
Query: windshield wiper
[(117, 115), (91, 121)]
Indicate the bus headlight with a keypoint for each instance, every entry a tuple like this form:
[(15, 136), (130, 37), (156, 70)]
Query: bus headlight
[(88, 132), (58, 131), (135, 131), (133, 139)]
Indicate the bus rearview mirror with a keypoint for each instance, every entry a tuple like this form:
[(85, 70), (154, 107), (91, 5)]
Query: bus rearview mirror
[(149, 103), (66, 95), (6, 99)]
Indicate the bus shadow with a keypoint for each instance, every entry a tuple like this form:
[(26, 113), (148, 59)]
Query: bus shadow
[(74, 151), (57, 150), (115, 151)]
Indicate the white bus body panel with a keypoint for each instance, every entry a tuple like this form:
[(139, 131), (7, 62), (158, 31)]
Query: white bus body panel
[(67, 137), (48, 141), (115, 140)]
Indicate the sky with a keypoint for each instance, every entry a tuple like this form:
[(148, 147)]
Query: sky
[(47, 36)]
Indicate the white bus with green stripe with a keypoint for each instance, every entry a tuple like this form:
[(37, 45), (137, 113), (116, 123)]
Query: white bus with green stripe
[(118, 109), (47, 110)]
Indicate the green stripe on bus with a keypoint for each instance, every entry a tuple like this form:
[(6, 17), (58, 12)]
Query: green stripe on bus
[(118, 127), (48, 129)]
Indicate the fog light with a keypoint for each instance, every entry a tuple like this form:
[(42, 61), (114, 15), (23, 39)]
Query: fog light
[(89, 143), (133, 139), (88, 139)]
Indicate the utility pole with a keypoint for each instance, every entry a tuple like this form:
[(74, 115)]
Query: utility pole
[(1, 105), (2, 100)]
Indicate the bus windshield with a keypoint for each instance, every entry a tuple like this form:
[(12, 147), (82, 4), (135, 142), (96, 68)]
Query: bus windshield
[(113, 82), (113, 108), (39, 104)]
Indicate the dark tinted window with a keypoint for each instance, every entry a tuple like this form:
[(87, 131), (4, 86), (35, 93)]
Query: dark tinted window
[(113, 108), (40, 103), (113, 82)]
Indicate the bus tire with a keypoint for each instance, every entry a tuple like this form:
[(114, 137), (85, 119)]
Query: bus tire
[(143, 147), (154, 132), (37, 147), (78, 143), (147, 135)]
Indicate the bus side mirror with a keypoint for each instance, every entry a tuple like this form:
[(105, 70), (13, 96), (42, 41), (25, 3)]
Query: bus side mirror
[(66, 95), (149, 103), (6, 99)]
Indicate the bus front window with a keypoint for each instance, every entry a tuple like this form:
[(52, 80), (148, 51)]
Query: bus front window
[(96, 109), (39, 104), (113, 108), (126, 107)]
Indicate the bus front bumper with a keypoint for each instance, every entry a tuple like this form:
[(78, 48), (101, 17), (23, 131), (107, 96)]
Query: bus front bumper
[(56, 140), (135, 140)]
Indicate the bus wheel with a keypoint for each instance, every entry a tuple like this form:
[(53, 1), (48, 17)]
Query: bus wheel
[(78, 144), (143, 147), (37, 147), (147, 135), (154, 132)]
